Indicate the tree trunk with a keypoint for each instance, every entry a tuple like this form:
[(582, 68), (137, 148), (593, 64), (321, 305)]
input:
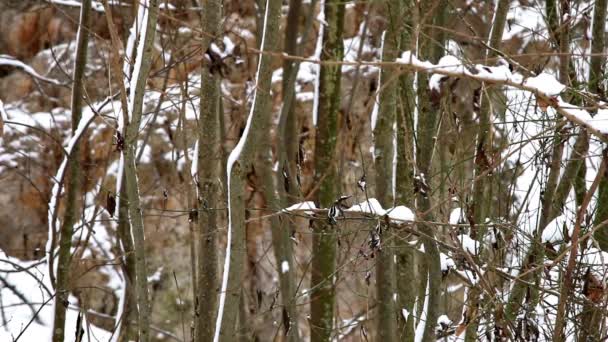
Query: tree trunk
[(143, 61), (384, 154), (324, 238), (406, 272), (240, 162), (209, 181), (431, 47), (127, 332), (484, 149), (64, 260)]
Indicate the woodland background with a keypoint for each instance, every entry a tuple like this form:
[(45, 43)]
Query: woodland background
[(184, 170)]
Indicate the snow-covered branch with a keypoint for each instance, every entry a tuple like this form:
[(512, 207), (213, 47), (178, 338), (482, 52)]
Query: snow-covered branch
[(544, 86), (12, 61)]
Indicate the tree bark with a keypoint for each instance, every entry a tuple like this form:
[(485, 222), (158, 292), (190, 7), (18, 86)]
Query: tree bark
[(209, 180), (384, 153), (431, 47), (240, 162), (324, 238), (74, 186), (406, 270), (132, 131), (484, 149)]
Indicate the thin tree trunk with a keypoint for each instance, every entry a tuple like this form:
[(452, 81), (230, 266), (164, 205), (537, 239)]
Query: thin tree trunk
[(127, 333), (74, 186), (209, 180), (566, 288), (406, 272), (431, 47), (592, 313), (596, 78), (484, 149), (281, 187), (324, 239), (240, 162), (384, 152), (556, 190), (143, 62)]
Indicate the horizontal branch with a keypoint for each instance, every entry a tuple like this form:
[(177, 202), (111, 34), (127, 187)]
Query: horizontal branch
[(544, 86), (6, 60)]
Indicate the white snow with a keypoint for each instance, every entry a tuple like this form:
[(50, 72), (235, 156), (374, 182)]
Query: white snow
[(12, 61), (169, 6), (194, 165), (401, 213), (446, 262), (156, 276), (317, 56), (302, 206), (142, 20), (371, 206), (284, 266), (374, 117), (548, 83), (468, 244), (405, 313), (447, 62), (419, 334), (554, 231), (95, 5), (444, 320), (544, 86), (34, 285), (457, 216)]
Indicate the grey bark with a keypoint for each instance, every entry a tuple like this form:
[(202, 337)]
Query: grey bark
[(209, 181)]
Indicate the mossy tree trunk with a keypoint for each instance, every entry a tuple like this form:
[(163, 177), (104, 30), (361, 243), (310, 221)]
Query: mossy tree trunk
[(324, 238), (384, 154)]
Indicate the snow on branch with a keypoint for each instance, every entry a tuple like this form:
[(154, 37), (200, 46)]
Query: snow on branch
[(95, 5), (544, 86), (398, 214), (12, 61)]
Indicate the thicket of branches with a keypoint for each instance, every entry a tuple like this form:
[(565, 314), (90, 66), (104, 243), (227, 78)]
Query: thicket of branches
[(466, 199)]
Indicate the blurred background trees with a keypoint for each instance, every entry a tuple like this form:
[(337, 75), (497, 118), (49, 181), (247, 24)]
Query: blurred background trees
[(295, 170)]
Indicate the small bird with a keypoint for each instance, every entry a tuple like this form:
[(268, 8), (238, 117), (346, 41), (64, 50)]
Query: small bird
[(110, 204), (361, 183)]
